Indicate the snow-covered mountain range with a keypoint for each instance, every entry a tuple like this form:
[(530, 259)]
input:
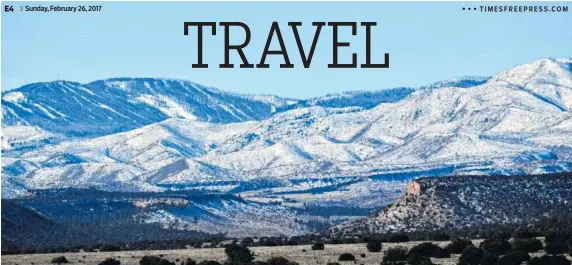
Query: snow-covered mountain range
[(156, 134)]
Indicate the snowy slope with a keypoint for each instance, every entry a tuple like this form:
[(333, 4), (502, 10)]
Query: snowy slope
[(122, 104), (370, 99), (20, 136), (549, 80), (235, 218)]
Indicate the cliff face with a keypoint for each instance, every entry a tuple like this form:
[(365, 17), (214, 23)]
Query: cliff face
[(413, 188), (469, 201)]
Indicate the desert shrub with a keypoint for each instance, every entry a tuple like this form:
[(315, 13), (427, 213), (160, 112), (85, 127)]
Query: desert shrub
[(149, 260), (492, 234), (336, 241), (374, 245), (549, 260), (268, 242), (154, 260), (362, 255), (497, 247), (489, 259), (107, 248), (60, 260), (556, 236), (457, 245), (395, 254), (209, 262), (418, 259), (471, 256), (333, 263), (346, 257), (318, 246), (189, 262), (442, 253), (110, 261), (398, 238), (556, 248), (280, 261), (198, 245), (429, 250), (524, 232), (238, 255), (166, 262), (259, 262), (514, 258), (292, 243), (395, 262), (247, 241), (439, 237), (529, 245), (349, 240)]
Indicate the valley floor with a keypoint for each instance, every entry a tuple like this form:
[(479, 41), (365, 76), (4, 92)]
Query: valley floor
[(293, 253)]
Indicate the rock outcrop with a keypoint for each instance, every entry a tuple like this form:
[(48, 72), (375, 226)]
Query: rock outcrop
[(469, 201), (413, 188)]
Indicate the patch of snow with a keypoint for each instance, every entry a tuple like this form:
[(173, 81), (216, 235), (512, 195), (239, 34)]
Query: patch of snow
[(14, 97)]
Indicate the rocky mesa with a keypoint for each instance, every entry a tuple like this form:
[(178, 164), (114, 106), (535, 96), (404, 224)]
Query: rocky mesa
[(468, 201)]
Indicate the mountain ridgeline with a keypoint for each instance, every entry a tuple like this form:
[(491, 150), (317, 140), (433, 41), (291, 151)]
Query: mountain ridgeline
[(121, 104)]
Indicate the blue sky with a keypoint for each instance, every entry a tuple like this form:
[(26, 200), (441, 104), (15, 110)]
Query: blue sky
[(426, 41)]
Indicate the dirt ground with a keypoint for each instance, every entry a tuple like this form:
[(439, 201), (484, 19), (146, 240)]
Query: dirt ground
[(294, 253)]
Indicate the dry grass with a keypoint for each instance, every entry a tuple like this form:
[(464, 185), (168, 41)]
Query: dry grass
[(294, 253)]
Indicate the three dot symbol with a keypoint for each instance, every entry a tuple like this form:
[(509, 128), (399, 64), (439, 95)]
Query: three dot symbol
[(469, 8)]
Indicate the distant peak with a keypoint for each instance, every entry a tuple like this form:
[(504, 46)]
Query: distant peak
[(540, 69)]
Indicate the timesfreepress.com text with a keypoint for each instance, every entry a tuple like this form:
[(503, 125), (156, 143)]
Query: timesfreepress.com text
[(523, 9)]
